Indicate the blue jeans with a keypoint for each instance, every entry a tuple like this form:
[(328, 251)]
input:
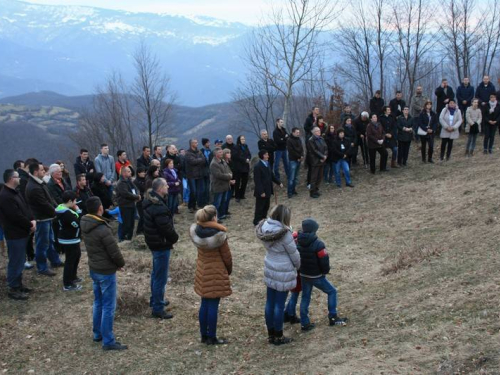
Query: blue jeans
[(173, 202), (196, 192), (159, 276), (325, 286), (209, 310), (275, 309), (394, 150), (220, 200), (471, 142), (185, 190), (293, 177), (278, 155), (328, 172), (44, 239), (104, 306), (206, 187), (291, 306), (17, 256), (344, 164)]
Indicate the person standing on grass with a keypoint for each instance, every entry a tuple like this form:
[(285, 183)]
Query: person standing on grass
[(83, 164), (405, 136), (280, 136), (340, 159), (389, 123), (105, 164), (280, 268), (213, 268), (397, 105), (83, 192), (145, 159), (68, 235), (140, 184), (329, 170), (375, 135), (126, 198), (451, 120), (17, 223), (315, 265), (465, 94), (318, 153), (360, 124), (226, 155), (195, 163), (427, 123), (171, 175), (160, 236), (266, 143), (104, 260), (263, 181), (241, 167), (351, 137), (491, 123), (296, 154), (473, 120), (444, 94), (221, 179)]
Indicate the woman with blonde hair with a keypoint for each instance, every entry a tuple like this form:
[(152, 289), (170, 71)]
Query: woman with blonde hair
[(280, 268), (213, 267)]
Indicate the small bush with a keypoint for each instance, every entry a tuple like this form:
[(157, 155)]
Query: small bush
[(182, 271), (131, 303)]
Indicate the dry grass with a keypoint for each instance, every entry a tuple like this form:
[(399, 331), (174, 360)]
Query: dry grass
[(418, 279)]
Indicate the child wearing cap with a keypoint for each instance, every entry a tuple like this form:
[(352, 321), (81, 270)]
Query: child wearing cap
[(315, 264)]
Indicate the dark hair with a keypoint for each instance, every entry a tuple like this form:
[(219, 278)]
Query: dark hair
[(156, 148), (82, 150), (262, 153), (7, 175), (34, 166), (68, 195), (340, 130), (377, 92), (168, 161), (30, 160), (119, 153), (345, 120), (373, 114), (398, 92), (238, 140), (319, 118), (17, 164), (294, 129), (444, 79), (314, 107), (384, 108), (141, 170), (277, 120), (453, 100), (144, 148), (151, 170), (80, 176), (103, 145), (204, 141), (93, 204)]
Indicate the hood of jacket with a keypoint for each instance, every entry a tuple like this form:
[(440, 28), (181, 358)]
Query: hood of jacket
[(269, 230), (306, 239), (150, 198), (91, 222), (208, 235)]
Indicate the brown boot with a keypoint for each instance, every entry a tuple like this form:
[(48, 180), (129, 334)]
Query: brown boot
[(467, 153), (394, 164)]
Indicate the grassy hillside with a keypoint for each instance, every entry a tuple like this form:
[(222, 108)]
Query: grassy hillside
[(415, 258)]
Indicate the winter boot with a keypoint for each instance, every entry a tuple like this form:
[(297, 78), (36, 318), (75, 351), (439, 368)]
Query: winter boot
[(279, 339), (394, 164), (270, 336), (338, 321)]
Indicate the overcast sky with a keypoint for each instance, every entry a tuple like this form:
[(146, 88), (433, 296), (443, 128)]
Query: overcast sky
[(248, 12)]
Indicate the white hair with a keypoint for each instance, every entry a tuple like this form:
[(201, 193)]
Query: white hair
[(228, 136), (365, 114), (263, 131), (54, 168)]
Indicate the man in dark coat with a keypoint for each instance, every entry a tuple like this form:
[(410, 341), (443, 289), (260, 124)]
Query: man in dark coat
[(195, 164), (376, 104), (280, 136), (491, 123), (83, 192), (465, 94), (397, 104), (266, 143), (263, 179), (375, 137), (360, 124), (296, 155), (126, 198), (145, 159), (17, 223), (160, 236), (207, 153), (444, 94), (389, 124), (311, 122), (483, 92), (318, 153), (83, 164)]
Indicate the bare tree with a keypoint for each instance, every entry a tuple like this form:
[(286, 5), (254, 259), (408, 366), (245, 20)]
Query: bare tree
[(489, 43), (286, 47), (152, 92)]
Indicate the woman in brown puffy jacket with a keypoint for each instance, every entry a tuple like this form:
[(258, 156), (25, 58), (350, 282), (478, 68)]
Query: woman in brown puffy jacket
[(213, 267)]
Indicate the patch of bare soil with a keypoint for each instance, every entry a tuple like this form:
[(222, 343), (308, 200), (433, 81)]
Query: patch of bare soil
[(415, 258)]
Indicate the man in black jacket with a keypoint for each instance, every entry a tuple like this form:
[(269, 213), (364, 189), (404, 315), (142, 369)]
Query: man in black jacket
[(296, 154), (360, 124), (17, 222), (57, 185), (318, 153), (483, 92), (311, 122), (280, 136), (266, 143), (83, 164), (126, 198), (263, 180), (491, 122), (376, 104), (42, 206), (83, 192), (207, 153), (145, 159), (444, 94), (397, 104), (195, 165), (160, 236)]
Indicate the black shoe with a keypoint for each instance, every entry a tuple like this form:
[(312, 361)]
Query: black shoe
[(238, 200), (216, 341), (204, 339), (97, 340), (350, 185), (431, 161), (228, 213), (314, 195), (78, 280), (279, 339), (58, 265), (115, 346), (485, 152), (47, 272), (337, 321), (290, 196), (17, 295), (270, 336), (308, 327), (162, 315), (295, 193), (25, 290)]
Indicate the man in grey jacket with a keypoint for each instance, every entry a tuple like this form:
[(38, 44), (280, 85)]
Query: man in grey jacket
[(105, 164)]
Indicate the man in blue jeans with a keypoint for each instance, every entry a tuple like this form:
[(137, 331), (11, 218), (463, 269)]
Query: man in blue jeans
[(105, 259), (42, 206), (17, 222), (314, 265), (296, 154), (280, 137), (160, 236)]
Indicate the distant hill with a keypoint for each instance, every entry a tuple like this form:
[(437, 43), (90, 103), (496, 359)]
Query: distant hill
[(49, 99)]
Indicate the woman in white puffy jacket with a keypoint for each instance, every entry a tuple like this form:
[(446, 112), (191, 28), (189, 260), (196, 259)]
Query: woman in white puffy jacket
[(450, 120), (280, 268)]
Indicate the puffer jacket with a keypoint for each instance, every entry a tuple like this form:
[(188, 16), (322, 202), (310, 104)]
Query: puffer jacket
[(214, 263), (314, 258), (159, 231), (102, 249), (444, 120), (282, 258)]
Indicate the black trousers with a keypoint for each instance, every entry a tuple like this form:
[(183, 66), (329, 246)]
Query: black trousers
[(241, 181), (128, 217), (316, 177), (30, 251), (261, 207), (403, 152), (446, 142), (140, 223), (73, 254), (364, 151), (427, 140), (373, 156)]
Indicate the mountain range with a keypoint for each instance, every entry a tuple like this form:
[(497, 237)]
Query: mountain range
[(71, 49)]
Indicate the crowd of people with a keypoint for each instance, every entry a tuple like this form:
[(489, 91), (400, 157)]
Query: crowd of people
[(43, 214)]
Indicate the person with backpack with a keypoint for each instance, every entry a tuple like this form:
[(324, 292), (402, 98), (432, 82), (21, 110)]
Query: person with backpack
[(315, 265)]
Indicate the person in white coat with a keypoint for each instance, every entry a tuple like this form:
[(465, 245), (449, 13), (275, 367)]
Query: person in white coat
[(450, 120), (473, 117)]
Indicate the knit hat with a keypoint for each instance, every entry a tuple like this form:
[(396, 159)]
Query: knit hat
[(219, 141), (310, 226)]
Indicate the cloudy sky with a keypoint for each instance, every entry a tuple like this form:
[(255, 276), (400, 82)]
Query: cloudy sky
[(248, 12)]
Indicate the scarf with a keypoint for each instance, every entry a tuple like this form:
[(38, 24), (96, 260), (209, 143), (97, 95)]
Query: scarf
[(493, 106), (452, 111)]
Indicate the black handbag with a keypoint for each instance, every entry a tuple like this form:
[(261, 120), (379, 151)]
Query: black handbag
[(474, 128)]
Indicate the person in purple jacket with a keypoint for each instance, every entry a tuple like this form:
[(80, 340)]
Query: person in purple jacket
[(174, 185)]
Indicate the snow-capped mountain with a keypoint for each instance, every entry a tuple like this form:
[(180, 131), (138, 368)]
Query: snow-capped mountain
[(72, 48)]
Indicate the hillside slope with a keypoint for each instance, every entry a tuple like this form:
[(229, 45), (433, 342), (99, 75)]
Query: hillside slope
[(414, 254)]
